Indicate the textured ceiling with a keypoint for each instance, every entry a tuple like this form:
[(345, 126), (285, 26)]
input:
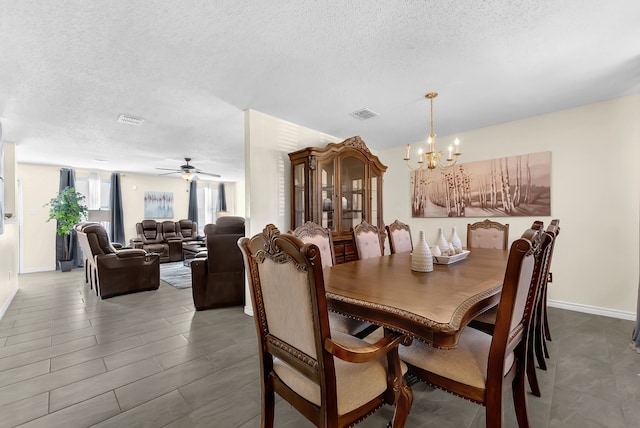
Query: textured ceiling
[(68, 69)]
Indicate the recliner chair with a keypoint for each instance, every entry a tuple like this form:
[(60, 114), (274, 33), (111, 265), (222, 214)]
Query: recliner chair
[(150, 239), (173, 238), (116, 272), (218, 279)]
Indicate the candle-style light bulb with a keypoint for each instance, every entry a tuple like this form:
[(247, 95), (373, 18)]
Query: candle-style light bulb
[(450, 153), (457, 144), (408, 151)]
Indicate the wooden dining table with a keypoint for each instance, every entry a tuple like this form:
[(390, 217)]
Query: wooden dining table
[(430, 306)]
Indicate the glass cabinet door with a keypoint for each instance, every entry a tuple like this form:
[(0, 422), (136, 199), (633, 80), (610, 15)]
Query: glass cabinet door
[(353, 191), (328, 195), (376, 215), (299, 196)]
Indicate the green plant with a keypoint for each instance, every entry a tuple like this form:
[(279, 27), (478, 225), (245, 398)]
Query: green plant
[(68, 209)]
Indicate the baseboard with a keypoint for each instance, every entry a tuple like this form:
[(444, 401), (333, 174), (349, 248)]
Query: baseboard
[(612, 313), (38, 269), (248, 310), (4, 307)]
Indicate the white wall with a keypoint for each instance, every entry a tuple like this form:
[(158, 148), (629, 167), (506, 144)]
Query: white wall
[(268, 141), (595, 187), (9, 237)]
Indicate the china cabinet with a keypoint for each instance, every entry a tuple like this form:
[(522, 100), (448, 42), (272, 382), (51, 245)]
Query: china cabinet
[(337, 187)]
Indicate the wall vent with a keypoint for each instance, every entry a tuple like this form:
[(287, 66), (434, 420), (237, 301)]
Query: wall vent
[(130, 120), (364, 114)]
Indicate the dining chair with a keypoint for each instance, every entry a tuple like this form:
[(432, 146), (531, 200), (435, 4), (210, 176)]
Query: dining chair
[(333, 379), (482, 366), (313, 233), (536, 346), (541, 332), (399, 237), (488, 234), (368, 241)]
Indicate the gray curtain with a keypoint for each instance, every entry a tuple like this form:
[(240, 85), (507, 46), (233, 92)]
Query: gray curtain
[(117, 217), (193, 201), (68, 179), (221, 205)]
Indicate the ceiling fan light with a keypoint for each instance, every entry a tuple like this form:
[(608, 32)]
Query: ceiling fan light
[(188, 175)]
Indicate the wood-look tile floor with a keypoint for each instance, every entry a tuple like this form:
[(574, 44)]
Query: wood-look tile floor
[(69, 359)]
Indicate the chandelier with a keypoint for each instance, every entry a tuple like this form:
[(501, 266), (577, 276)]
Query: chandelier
[(432, 159)]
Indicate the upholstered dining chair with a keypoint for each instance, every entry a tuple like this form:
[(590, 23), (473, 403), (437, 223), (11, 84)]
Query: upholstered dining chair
[(482, 366), (313, 233), (333, 379), (368, 241), (399, 237), (541, 331), (488, 234), (535, 343)]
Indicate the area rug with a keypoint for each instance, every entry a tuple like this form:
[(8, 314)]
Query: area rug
[(176, 274)]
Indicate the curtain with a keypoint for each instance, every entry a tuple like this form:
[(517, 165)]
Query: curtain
[(193, 201), (222, 199), (116, 225), (68, 179)]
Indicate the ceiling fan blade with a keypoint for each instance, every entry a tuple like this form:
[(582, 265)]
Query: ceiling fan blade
[(169, 173), (170, 169), (209, 174)]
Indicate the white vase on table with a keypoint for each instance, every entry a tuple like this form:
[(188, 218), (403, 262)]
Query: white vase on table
[(455, 239), (421, 258)]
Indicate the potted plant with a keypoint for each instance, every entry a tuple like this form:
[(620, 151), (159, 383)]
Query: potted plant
[(68, 209)]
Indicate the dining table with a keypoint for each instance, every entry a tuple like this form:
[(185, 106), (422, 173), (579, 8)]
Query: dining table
[(430, 306)]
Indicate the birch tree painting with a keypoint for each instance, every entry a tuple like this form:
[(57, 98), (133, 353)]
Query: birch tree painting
[(512, 186)]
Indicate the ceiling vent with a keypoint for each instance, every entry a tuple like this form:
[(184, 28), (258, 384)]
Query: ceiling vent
[(130, 120), (364, 114)]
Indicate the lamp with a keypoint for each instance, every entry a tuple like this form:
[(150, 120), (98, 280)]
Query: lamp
[(189, 176), (431, 159)]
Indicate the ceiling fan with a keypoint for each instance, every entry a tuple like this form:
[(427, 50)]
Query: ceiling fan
[(187, 171)]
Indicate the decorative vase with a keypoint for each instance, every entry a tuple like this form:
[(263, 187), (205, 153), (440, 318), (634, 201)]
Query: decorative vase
[(421, 258), (455, 239), (442, 243)]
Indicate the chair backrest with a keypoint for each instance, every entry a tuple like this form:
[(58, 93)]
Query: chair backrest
[(149, 230), (188, 229), (313, 233), (521, 282), (97, 239), (229, 224), (289, 304), (367, 240), (488, 234), (170, 230), (399, 237)]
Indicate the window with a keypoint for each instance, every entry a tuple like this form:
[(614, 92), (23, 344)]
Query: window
[(97, 192)]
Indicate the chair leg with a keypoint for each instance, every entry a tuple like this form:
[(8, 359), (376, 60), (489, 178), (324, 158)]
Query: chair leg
[(547, 332), (532, 377), (494, 411), (268, 406), (537, 333), (519, 400)]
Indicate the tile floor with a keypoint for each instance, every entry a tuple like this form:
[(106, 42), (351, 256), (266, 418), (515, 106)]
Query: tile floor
[(148, 359)]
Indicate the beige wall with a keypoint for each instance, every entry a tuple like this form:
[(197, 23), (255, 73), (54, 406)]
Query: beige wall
[(268, 141), (9, 238), (595, 186)]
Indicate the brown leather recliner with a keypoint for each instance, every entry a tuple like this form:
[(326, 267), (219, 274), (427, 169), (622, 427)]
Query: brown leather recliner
[(150, 239), (188, 229), (173, 238), (117, 271), (218, 279)]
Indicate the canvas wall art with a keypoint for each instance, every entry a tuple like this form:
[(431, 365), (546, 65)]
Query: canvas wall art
[(158, 205), (511, 186)]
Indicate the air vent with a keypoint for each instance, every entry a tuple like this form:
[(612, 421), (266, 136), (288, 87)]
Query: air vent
[(364, 114), (130, 120)]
